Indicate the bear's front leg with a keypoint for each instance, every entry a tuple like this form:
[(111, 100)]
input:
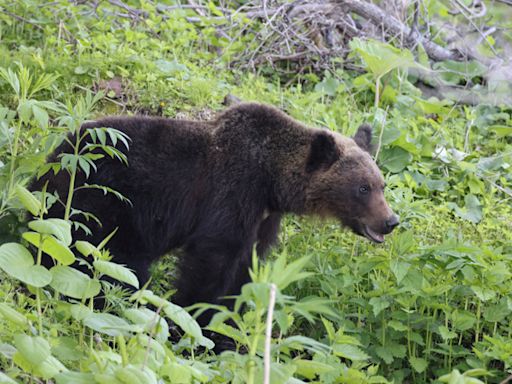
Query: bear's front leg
[(211, 269)]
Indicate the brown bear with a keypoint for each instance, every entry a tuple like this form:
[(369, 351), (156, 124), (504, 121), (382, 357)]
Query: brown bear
[(213, 190)]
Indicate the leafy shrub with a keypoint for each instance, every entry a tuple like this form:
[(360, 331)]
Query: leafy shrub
[(433, 302)]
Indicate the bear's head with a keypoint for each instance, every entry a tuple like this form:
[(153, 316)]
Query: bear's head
[(346, 183)]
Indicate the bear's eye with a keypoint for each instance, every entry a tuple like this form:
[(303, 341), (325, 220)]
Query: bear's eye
[(364, 189)]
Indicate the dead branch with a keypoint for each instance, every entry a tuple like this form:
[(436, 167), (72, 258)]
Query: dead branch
[(297, 36), (394, 27), (132, 11), (19, 18)]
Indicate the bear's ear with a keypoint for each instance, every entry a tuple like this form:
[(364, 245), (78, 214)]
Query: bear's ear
[(363, 137), (323, 151)]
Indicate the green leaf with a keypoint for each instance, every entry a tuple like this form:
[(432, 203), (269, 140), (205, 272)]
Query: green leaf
[(4, 379), (455, 377), (79, 311), (106, 323), (350, 352), (378, 304), (177, 373), (394, 159), (328, 86), (399, 269), (51, 246), (178, 315), (398, 350), (17, 262), (472, 210), (41, 116), (151, 321), (284, 274), (462, 320), (389, 135), (116, 271), (61, 229), (25, 110), (170, 67), (331, 333), (501, 130), (432, 105), (49, 368), (131, 374), (310, 368), (453, 72), (73, 283), (71, 377), (28, 200), (483, 293), (397, 326), (385, 354), (382, 58), (497, 312), (86, 248), (446, 334), (67, 348), (183, 319), (34, 349), (279, 374), (80, 70), (418, 364), (86, 167), (12, 315)]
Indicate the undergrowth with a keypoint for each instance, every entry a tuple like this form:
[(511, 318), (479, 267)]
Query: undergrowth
[(433, 304)]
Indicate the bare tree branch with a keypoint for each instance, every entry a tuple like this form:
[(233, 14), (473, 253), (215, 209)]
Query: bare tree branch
[(393, 26)]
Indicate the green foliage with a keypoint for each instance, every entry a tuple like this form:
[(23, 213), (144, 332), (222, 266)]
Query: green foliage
[(433, 303)]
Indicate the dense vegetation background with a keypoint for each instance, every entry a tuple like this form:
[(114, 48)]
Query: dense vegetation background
[(432, 304)]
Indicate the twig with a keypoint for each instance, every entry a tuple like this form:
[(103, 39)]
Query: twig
[(508, 379), (162, 7), (199, 10), (414, 26), (383, 125), (472, 14), (268, 334), (19, 18), (133, 11), (395, 27), (469, 18)]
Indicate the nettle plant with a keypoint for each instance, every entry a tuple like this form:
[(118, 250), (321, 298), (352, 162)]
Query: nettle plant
[(55, 333), (42, 335)]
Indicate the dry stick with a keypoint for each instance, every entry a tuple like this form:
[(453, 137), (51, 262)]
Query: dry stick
[(379, 144), (19, 18), (470, 20), (268, 334), (472, 14), (134, 11), (507, 380), (162, 7), (395, 27), (414, 26), (197, 9)]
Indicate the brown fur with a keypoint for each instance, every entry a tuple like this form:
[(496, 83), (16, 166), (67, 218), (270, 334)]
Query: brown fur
[(212, 190)]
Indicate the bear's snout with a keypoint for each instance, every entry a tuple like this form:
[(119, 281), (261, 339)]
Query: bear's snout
[(391, 223)]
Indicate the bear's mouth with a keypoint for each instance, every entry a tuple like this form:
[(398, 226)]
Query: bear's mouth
[(372, 235)]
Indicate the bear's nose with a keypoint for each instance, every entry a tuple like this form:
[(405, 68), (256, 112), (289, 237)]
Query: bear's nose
[(392, 222)]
